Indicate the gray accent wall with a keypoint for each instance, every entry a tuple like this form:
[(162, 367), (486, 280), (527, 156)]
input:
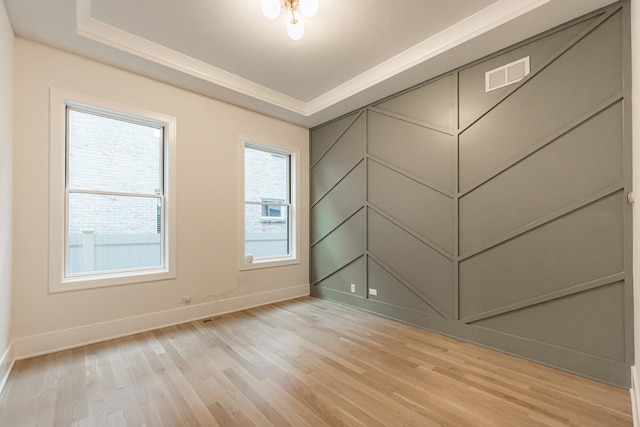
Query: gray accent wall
[(499, 218)]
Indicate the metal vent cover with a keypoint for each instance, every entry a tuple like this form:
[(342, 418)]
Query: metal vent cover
[(506, 74)]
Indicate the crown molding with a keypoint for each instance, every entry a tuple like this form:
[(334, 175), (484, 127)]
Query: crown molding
[(92, 28), (473, 26)]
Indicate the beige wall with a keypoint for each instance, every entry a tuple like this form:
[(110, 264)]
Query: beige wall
[(6, 68), (207, 201)]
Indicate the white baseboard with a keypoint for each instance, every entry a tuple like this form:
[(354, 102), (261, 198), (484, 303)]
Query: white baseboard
[(36, 345), (6, 364), (635, 396)]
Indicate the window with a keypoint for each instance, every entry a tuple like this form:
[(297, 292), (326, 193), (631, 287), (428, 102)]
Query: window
[(111, 198), (268, 205), (273, 212)]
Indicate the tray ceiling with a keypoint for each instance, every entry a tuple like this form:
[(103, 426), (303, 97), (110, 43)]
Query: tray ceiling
[(353, 52)]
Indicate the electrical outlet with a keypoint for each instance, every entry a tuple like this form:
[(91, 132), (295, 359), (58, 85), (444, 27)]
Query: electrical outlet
[(353, 288), (373, 292)]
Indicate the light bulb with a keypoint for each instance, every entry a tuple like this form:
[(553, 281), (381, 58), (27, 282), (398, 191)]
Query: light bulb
[(309, 7), (271, 8), (295, 29)]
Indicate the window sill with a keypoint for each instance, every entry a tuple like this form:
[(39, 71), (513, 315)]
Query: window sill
[(108, 280), (268, 263)]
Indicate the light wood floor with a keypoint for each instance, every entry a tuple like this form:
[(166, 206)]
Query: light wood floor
[(306, 362)]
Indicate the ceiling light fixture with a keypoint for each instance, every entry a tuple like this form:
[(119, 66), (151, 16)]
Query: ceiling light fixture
[(295, 29)]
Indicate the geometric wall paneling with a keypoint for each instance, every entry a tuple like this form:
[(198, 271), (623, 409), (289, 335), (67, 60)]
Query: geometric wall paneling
[(416, 206), (422, 152), (576, 249), (339, 204), (346, 153), (342, 246), (324, 137), (342, 279), (426, 271), (583, 77), (392, 291), (590, 322), (432, 103), (500, 218), (473, 98), (580, 163)]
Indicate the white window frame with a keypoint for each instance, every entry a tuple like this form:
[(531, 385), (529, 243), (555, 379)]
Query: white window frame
[(59, 280), (294, 191)]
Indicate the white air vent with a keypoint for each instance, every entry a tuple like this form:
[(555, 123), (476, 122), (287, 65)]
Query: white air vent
[(507, 74)]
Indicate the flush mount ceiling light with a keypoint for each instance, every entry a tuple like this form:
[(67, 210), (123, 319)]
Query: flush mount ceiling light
[(295, 29)]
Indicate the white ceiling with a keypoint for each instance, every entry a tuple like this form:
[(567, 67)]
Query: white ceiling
[(353, 51)]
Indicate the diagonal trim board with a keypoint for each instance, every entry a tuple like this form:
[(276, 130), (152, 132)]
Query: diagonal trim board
[(591, 24), (482, 22), (341, 280), (418, 207), (338, 205), (540, 218), (343, 155), (568, 87), (475, 101), (592, 322), (545, 298), (412, 105), (324, 138), (339, 248), (580, 247), (381, 277), (427, 270)]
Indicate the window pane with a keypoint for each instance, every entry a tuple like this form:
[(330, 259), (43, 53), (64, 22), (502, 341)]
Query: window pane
[(265, 239), (113, 233), (113, 155), (272, 211), (265, 175)]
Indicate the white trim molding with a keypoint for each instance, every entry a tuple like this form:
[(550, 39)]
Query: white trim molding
[(92, 28), (6, 365), (36, 345), (294, 213), (59, 281), (475, 25), (635, 396)]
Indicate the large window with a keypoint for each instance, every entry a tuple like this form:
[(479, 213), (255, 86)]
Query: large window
[(269, 208), (111, 208)]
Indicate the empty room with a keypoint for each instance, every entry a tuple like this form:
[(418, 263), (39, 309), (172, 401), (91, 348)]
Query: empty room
[(319, 213)]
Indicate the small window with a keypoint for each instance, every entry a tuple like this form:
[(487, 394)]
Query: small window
[(268, 205), (112, 209), (273, 211)]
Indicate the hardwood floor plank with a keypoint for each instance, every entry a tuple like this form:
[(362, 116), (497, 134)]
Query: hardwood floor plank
[(364, 399), (287, 405), (263, 405), (240, 408), (305, 362)]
